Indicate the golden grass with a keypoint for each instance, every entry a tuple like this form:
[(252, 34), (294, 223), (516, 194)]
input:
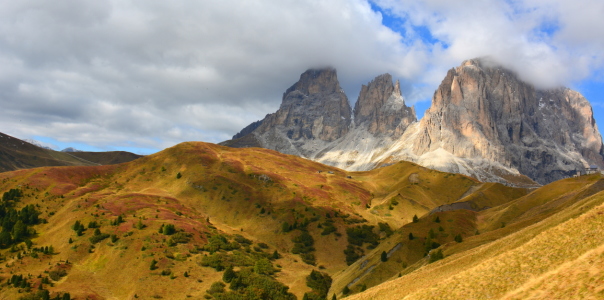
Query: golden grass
[(230, 187), (517, 264)]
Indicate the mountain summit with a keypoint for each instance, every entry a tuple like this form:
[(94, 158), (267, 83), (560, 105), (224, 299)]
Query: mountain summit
[(381, 108), (483, 122), (314, 109), (485, 113)]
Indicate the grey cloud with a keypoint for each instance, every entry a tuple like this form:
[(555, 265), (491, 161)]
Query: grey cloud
[(154, 73)]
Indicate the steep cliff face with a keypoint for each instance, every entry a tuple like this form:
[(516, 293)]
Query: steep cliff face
[(315, 107), (484, 112), (381, 108), (313, 111), (484, 122)]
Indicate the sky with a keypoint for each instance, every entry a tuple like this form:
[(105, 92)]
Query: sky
[(144, 75)]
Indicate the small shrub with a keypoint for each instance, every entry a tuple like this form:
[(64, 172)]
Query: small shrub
[(153, 265), (97, 238)]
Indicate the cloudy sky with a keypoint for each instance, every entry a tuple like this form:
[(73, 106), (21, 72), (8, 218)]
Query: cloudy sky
[(145, 75)]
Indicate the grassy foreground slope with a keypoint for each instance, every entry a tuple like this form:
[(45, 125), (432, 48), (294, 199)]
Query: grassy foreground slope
[(227, 207), (550, 247)]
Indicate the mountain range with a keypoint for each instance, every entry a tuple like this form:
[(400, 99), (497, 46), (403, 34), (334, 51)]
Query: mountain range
[(203, 221), (484, 122), (206, 221)]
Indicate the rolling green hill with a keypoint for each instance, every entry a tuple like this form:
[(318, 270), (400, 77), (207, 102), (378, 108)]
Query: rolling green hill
[(134, 229)]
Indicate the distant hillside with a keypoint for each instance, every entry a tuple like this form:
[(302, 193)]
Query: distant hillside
[(17, 154)]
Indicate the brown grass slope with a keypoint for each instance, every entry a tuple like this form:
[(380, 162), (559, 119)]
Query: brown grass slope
[(550, 248), (16, 154), (403, 253), (205, 189), (107, 157)]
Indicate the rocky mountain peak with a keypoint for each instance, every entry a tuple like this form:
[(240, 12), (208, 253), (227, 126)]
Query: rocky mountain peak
[(381, 107), (314, 109), (315, 81), (483, 122), (483, 111)]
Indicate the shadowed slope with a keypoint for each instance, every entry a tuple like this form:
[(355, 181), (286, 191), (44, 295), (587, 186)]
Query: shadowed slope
[(16, 154)]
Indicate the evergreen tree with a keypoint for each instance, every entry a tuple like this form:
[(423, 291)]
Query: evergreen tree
[(384, 256), (178, 175), (153, 265), (229, 274), (140, 225), (285, 227), (19, 231), (437, 220), (169, 229), (263, 266), (411, 236), (415, 219), (437, 255), (319, 282), (458, 238), (345, 290), (5, 239)]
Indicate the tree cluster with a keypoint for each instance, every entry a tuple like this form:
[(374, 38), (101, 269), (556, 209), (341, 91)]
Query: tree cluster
[(16, 223)]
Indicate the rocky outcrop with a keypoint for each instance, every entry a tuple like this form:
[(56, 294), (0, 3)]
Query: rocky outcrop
[(484, 122), (483, 111), (314, 109), (248, 129), (381, 108)]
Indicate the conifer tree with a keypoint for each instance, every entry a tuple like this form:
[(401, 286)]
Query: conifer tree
[(345, 290), (229, 274), (415, 219), (384, 256)]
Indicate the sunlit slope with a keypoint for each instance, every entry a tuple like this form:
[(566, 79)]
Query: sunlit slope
[(529, 257), (205, 190)]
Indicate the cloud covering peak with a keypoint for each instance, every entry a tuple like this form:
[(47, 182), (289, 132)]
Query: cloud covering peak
[(150, 74)]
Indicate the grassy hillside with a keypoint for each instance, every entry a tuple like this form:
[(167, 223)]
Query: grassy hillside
[(202, 208), (16, 154), (553, 230)]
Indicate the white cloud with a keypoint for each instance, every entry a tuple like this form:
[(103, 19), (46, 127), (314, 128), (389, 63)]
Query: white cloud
[(153, 73), (549, 43), (118, 72)]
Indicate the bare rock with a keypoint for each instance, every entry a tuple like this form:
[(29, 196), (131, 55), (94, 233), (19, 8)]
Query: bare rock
[(381, 108), (483, 111)]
